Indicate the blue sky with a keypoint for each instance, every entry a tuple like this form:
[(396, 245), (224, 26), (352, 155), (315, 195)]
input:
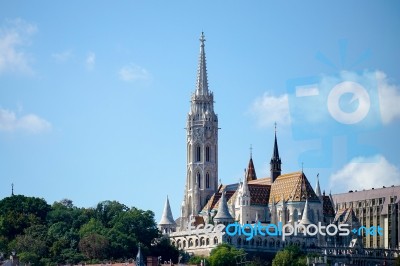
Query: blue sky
[(94, 95)]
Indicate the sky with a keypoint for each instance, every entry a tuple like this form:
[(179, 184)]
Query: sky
[(94, 94)]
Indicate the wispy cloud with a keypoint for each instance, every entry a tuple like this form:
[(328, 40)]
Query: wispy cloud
[(269, 109), (389, 98), (365, 173), (14, 35), (90, 60), (133, 72), (63, 56), (30, 123)]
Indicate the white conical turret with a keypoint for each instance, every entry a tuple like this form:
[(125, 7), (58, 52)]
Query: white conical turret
[(223, 215), (167, 223)]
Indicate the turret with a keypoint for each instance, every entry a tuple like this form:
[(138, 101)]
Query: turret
[(275, 164)]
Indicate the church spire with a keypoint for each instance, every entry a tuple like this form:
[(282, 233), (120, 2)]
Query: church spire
[(317, 188), (202, 82), (275, 160), (251, 171)]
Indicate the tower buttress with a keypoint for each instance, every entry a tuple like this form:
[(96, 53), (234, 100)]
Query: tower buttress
[(276, 162), (202, 143)]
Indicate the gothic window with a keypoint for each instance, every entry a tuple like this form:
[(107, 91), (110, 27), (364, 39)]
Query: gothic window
[(207, 180), (207, 154), (198, 154), (199, 179)]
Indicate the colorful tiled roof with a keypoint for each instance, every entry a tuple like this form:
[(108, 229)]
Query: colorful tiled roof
[(292, 187)]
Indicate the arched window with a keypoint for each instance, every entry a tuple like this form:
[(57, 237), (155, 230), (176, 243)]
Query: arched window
[(207, 154), (207, 180), (198, 179), (198, 154)]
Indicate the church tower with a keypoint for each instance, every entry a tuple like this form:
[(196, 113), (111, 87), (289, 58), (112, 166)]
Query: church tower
[(202, 144)]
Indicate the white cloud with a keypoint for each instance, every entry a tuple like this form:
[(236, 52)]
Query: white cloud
[(30, 123), (314, 110), (63, 56), (14, 35), (133, 72), (90, 60), (269, 109), (389, 98), (366, 173)]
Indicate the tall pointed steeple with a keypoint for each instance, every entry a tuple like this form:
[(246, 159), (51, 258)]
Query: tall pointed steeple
[(202, 82), (201, 143), (275, 160)]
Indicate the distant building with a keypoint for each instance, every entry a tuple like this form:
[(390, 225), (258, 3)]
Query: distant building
[(377, 206)]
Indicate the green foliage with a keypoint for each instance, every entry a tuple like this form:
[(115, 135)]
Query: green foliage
[(198, 259), (225, 255), (290, 255), (94, 246), (162, 247), (397, 261), (64, 234)]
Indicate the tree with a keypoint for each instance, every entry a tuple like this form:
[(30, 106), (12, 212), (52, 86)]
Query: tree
[(94, 246), (225, 255), (290, 255), (163, 247), (19, 212)]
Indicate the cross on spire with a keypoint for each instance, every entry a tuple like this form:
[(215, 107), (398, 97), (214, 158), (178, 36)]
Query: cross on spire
[(251, 151)]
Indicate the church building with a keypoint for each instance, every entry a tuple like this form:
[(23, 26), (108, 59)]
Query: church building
[(281, 197)]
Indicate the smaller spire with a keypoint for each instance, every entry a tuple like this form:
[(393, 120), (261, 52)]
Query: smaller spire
[(223, 214), (305, 219), (139, 258), (12, 189), (167, 218), (251, 171), (317, 188), (275, 164)]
